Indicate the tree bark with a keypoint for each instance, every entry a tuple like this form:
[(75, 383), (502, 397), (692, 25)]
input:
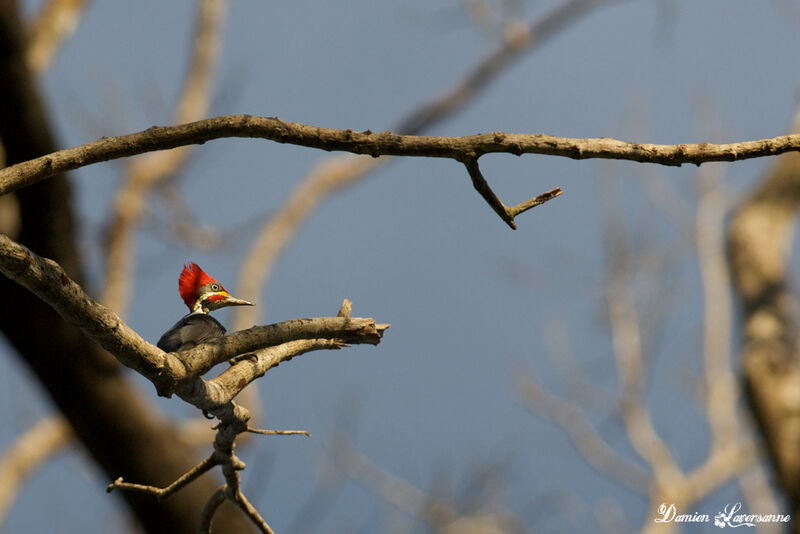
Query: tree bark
[(759, 243)]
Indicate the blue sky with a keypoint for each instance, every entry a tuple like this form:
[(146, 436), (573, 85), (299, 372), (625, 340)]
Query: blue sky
[(469, 300)]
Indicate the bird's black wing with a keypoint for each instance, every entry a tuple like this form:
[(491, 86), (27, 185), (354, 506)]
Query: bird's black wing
[(190, 331)]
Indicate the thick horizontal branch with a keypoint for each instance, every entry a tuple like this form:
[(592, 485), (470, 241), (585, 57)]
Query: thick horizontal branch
[(355, 330), (381, 144)]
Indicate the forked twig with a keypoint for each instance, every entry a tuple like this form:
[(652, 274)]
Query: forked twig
[(161, 493)]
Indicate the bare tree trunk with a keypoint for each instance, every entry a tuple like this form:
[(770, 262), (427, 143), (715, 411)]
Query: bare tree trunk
[(759, 239), (120, 429)]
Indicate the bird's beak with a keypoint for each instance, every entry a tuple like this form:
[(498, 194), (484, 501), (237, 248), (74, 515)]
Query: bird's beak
[(222, 299), (233, 301)]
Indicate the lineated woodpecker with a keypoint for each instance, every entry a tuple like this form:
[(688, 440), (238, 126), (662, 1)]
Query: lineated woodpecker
[(202, 294)]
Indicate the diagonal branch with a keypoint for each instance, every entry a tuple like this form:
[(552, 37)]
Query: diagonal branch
[(381, 144), (628, 351), (188, 477), (522, 38), (48, 280), (251, 512), (394, 490), (212, 396), (584, 437), (252, 366), (29, 452), (55, 22)]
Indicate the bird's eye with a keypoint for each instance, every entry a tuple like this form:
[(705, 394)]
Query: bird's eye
[(215, 287)]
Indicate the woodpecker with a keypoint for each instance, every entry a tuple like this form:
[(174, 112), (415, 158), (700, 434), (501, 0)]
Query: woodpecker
[(202, 294)]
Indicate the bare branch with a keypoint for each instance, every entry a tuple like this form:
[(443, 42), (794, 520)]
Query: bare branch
[(48, 280), (626, 337), (142, 174), (382, 144), (252, 366), (160, 493), (216, 499), (721, 465), (356, 330), (56, 21), (250, 511), (583, 436), (27, 453), (482, 187), (233, 421), (721, 387), (521, 39), (278, 432), (522, 207), (507, 214), (392, 489)]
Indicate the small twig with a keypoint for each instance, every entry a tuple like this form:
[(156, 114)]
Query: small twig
[(505, 213), (242, 502), (482, 187), (216, 499), (535, 201), (160, 493), (346, 308), (278, 432)]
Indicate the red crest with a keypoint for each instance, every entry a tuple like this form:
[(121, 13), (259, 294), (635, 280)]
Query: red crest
[(191, 279)]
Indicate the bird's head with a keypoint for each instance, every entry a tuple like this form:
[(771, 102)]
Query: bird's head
[(202, 293)]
